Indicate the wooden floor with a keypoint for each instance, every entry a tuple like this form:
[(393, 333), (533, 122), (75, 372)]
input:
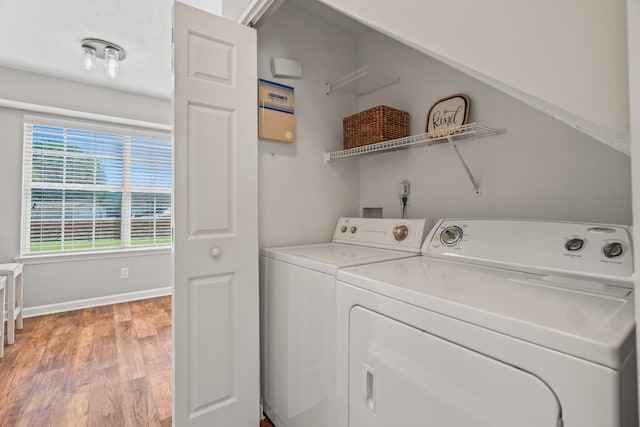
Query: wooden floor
[(266, 423), (106, 366)]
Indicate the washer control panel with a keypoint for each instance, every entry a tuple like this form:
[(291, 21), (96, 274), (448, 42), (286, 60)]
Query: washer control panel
[(385, 233), (536, 246)]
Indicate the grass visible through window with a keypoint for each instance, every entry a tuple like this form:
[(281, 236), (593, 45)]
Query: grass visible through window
[(56, 246)]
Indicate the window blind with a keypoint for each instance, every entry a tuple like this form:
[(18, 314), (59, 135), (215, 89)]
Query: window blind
[(89, 187)]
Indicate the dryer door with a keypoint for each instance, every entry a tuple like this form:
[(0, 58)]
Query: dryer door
[(403, 376)]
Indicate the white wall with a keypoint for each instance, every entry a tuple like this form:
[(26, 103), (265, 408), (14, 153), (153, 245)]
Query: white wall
[(566, 58), (211, 6), (68, 281), (300, 195), (540, 169)]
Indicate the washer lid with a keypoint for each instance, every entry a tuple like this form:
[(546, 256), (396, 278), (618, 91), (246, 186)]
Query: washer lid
[(591, 320), (328, 257)]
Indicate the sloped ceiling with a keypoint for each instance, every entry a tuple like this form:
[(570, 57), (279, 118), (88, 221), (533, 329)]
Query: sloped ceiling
[(567, 59)]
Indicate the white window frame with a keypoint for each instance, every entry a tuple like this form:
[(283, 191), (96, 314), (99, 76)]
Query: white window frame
[(126, 189)]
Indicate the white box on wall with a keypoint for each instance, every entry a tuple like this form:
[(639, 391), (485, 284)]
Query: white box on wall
[(286, 68)]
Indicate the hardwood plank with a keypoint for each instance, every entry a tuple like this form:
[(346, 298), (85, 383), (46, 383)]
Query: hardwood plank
[(45, 387), (105, 406), (80, 371), (144, 327), (160, 383), (138, 404), (105, 353), (130, 359), (122, 312), (75, 411), (18, 369)]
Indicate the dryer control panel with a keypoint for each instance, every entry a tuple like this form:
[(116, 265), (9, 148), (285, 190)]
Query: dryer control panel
[(544, 247), (384, 233)]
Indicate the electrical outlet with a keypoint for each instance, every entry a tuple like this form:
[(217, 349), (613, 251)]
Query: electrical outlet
[(403, 188), (124, 273)]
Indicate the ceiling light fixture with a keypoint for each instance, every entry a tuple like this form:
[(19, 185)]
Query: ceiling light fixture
[(110, 52)]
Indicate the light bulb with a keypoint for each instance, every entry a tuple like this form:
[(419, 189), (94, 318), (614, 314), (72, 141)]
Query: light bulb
[(111, 62), (88, 58)]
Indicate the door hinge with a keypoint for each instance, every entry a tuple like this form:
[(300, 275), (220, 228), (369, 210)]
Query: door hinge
[(172, 36)]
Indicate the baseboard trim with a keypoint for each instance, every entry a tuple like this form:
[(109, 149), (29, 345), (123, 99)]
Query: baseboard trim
[(94, 302)]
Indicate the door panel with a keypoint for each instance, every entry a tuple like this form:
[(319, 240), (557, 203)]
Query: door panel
[(212, 384), (215, 299), (210, 59), (210, 180), (400, 375)]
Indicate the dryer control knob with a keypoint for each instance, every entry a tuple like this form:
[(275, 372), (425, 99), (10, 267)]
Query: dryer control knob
[(451, 235), (343, 228), (613, 250), (400, 232), (574, 244), (353, 229)]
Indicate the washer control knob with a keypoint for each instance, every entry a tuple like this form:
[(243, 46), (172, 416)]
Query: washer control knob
[(574, 244), (353, 229), (400, 232), (343, 228), (451, 235), (613, 250)]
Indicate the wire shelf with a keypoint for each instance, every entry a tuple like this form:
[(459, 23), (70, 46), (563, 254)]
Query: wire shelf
[(361, 82), (471, 130)]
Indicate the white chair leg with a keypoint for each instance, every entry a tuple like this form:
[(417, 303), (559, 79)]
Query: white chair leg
[(3, 282), (13, 294), (19, 301), (11, 310)]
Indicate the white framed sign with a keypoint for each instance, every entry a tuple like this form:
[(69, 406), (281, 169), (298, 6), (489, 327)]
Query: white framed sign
[(450, 112)]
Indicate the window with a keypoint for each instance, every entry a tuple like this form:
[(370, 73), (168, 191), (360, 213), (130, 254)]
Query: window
[(91, 187)]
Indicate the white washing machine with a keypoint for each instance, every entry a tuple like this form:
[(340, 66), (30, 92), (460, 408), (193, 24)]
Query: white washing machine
[(500, 323), (298, 313)]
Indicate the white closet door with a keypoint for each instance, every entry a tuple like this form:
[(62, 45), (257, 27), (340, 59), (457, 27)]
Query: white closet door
[(403, 376), (215, 300)]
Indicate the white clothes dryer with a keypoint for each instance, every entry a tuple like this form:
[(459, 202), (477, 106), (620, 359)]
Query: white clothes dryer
[(298, 313), (501, 323)]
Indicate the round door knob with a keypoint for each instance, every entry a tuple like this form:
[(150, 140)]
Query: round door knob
[(354, 229), (451, 235), (216, 252), (574, 245), (400, 232), (343, 228), (613, 250)]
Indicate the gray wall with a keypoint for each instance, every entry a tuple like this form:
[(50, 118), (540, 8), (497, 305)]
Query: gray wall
[(540, 169), (301, 195), (63, 280)]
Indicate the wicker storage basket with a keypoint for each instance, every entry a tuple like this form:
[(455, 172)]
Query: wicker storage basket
[(374, 125)]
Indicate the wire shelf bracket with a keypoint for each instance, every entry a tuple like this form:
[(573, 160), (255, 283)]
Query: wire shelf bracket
[(476, 186)]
